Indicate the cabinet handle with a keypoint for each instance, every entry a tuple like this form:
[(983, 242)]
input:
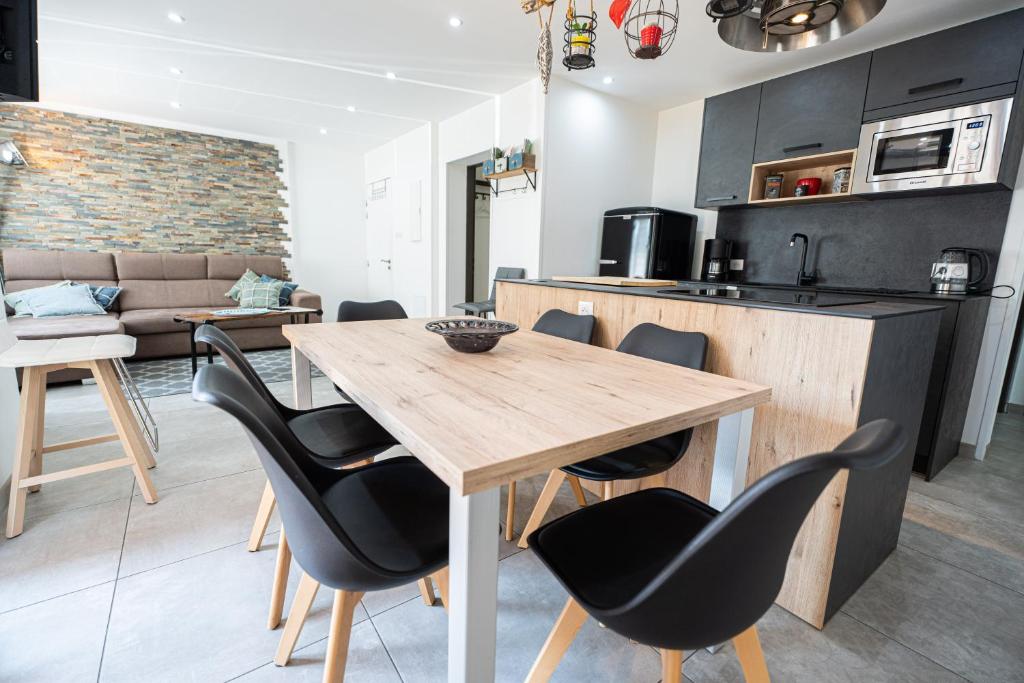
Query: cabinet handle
[(720, 199), (797, 148), (941, 85)]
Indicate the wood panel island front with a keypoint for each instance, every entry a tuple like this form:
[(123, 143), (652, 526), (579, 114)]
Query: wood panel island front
[(831, 369)]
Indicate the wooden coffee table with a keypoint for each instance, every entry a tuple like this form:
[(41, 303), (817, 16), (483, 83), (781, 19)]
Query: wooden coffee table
[(197, 318)]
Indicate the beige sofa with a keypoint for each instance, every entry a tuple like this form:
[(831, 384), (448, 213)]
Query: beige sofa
[(154, 288)]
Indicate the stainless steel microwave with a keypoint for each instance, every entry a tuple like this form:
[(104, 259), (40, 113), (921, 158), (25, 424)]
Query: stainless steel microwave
[(943, 149)]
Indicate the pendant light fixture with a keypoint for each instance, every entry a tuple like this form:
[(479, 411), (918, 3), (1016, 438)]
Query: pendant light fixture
[(650, 27), (724, 9), (580, 37), (784, 25), (788, 17)]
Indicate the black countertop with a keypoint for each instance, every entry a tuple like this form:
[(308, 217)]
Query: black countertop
[(861, 303)]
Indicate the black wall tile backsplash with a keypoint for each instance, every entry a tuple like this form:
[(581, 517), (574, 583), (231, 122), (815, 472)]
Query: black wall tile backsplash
[(879, 243)]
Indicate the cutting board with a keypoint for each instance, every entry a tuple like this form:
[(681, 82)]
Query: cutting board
[(614, 281)]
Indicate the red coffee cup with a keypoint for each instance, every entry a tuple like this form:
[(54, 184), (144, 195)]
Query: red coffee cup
[(808, 186)]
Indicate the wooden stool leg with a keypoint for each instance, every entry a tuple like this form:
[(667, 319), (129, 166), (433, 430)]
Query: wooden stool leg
[(609, 490), (29, 407), (259, 525), (748, 649), (277, 593), (304, 597), (441, 577), (36, 466), (568, 625), (671, 666), (341, 629), (577, 490), (427, 591), (125, 426), (547, 496), (510, 511)]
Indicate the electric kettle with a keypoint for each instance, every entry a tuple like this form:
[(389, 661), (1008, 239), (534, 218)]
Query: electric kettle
[(954, 273)]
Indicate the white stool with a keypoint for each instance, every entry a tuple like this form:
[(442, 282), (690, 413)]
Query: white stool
[(38, 358)]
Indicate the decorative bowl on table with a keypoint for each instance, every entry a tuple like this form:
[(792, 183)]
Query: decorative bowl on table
[(471, 335)]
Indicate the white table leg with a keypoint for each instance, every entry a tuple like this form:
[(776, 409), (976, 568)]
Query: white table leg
[(302, 381), (473, 586)]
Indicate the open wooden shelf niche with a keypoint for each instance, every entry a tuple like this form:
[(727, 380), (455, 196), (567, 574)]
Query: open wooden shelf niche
[(816, 166)]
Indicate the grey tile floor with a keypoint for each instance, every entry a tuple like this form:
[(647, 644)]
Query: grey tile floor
[(103, 587)]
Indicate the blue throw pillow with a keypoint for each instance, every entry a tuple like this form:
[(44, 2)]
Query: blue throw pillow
[(287, 289), (70, 300), (104, 296), (19, 300)]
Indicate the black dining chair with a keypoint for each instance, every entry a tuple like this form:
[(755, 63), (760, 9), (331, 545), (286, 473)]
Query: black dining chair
[(577, 328), (697, 577), (358, 311), (688, 349), (338, 436), (370, 528), (482, 308)]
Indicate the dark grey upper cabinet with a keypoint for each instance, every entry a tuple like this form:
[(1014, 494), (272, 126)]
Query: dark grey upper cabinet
[(727, 148), (812, 112), (955, 64)]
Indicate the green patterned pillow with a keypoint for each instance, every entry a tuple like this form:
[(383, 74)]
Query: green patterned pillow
[(260, 294), (246, 278)]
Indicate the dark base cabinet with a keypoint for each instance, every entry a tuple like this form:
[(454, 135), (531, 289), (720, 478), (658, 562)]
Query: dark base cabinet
[(952, 378)]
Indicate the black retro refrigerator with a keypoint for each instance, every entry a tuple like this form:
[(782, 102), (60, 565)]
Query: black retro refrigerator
[(648, 242)]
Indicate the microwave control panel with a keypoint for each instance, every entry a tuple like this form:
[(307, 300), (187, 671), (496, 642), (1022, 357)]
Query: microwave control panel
[(970, 151)]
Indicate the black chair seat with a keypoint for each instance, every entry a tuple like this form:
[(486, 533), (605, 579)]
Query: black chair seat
[(477, 307), (635, 462), (650, 528), (325, 430), (395, 512)]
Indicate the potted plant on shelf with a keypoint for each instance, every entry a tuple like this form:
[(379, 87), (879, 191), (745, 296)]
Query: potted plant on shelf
[(500, 162)]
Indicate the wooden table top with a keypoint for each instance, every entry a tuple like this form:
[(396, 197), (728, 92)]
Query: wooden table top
[(532, 404), (200, 317)]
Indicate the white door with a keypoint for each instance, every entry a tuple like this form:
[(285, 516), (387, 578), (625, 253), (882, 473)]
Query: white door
[(380, 283)]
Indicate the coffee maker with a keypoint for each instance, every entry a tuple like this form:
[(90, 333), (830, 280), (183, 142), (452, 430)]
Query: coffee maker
[(715, 266), (955, 271)]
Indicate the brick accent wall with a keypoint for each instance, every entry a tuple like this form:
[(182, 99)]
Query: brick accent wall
[(100, 185)]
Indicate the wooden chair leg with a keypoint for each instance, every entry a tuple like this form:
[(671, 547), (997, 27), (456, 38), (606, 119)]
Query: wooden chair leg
[(29, 406), (547, 496), (304, 596), (568, 625), (510, 511), (577, 490), (748, 649), (441, 577), (671, 666), (341, 629), (277, 593), (427, 591), (125, 426), (259, 525), (36, 466)]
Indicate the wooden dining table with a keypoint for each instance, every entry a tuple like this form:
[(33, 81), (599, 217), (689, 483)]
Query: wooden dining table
[(532, 404)]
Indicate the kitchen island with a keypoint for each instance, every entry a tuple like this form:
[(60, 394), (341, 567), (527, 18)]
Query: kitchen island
[(831, 368)]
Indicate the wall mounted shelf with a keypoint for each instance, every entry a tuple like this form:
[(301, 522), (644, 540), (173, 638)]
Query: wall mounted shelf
[(528, 172), (816, 166)]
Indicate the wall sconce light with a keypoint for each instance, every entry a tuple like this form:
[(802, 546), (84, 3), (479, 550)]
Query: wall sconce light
[(10, 154)]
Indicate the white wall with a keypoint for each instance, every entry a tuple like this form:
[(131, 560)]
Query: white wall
[(675, 169), (599, 155), (328, 222)]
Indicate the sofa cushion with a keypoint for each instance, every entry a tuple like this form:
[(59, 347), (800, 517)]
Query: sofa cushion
[(18, 301), (67, 326), (231, 267), (248, 277), (183, 294), (38, 264), (51, 302), (161, 320), (160, 266), (260, 294)]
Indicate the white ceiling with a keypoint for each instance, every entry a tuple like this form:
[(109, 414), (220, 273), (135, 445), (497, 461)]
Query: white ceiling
[(288, 69)]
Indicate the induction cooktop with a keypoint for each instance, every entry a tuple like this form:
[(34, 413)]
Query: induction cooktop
[(783, 297)]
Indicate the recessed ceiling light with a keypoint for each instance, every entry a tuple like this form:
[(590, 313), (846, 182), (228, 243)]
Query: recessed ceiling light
[(176, 71), (391, 75), (607, 80), (455, 22), (175, 105), (350, 108), (176, 18), (323, 131)]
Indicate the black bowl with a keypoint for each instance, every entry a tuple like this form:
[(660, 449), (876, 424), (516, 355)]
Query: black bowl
[(472, 335)]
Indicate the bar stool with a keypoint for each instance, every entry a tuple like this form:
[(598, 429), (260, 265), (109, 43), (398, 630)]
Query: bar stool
[(374, 527), (41, 357), (577, 328), (688, 349), (664, 569)]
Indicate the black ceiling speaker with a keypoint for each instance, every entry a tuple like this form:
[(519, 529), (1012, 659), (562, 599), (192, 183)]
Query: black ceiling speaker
[(787, 17), (19, 54), (723, 9)]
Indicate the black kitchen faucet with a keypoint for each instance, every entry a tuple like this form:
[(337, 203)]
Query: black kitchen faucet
[(803, 277)]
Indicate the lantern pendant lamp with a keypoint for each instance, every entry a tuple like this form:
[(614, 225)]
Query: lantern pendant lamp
[(650, 27), (580, 37), (787, 17)]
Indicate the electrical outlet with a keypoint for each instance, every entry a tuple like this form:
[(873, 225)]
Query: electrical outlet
[(736, 264), (585, 308)]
